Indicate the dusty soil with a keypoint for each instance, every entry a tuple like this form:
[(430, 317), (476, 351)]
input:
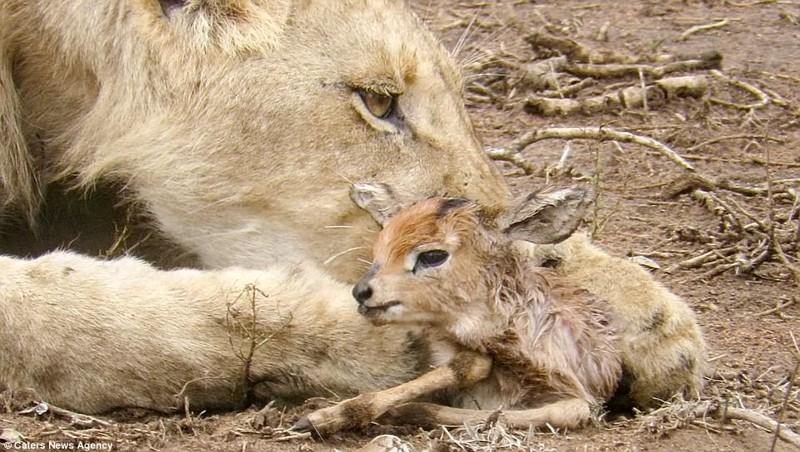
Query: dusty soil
[(638, 214)]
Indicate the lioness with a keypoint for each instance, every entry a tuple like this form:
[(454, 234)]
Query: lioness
[(237, 124)]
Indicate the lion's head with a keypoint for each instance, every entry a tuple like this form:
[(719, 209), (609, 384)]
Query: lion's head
[(241, 124)]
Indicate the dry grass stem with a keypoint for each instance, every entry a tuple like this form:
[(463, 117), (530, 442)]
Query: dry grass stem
[(701, 28)]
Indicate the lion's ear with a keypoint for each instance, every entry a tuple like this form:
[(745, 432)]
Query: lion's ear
[(234, 26)]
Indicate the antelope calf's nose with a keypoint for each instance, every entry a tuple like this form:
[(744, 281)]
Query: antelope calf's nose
[(362, 292)]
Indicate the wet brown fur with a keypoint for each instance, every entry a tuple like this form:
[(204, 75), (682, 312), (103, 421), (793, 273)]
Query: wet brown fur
[(553, 349), (424, 223), (506, 289), (661, 344)]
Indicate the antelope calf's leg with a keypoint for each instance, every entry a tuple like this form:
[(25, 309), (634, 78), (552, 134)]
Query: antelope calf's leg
[(567, 413), (465, 368)]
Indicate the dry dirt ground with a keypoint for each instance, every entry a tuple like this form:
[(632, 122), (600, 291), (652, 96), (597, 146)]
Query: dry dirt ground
[(739, 129)]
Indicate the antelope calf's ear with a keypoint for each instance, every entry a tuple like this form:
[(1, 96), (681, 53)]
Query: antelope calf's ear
[(546, 216)]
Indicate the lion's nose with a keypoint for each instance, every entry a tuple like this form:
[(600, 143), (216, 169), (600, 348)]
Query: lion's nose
[(362, 292)]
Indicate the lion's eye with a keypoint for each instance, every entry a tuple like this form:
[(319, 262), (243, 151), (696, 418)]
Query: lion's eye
[(430, 259), (379, 105)]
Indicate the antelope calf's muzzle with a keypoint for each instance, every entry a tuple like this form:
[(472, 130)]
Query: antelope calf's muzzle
[(362, 291)]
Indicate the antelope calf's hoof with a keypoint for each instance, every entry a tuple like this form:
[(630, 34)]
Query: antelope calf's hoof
[(303, 425), (350, 414)]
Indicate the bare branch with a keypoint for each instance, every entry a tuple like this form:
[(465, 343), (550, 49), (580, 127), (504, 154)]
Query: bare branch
[(596, 133), (631, 97), (709, 60), (578, 52)]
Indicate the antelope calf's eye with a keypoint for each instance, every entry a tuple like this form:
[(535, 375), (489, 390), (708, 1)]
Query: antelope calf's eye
[(430, 259)]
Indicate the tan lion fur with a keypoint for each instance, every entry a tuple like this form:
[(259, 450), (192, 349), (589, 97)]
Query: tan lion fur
[(661, 343), (93, 336)]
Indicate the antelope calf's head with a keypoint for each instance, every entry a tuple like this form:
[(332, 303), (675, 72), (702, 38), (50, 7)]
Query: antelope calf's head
[(436, 258)]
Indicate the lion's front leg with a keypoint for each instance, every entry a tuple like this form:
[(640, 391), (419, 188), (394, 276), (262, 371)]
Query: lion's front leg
[(91, 335), (464, 369)]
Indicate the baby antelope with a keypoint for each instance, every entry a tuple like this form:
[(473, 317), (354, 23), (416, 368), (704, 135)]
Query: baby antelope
[(503, 333)]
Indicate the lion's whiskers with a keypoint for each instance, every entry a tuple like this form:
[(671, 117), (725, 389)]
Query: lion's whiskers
[(342, 253)]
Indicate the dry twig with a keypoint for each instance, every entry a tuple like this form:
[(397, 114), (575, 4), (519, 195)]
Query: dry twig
[(763, 99), (596, 133), (253, 335), (569, 89), (744, 136), (755, 418), (708, 60), (509, 155), (754, 240), (680, 413), (778, 307), (74, 419), (700, 28), (631, 97), (578, 52)]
